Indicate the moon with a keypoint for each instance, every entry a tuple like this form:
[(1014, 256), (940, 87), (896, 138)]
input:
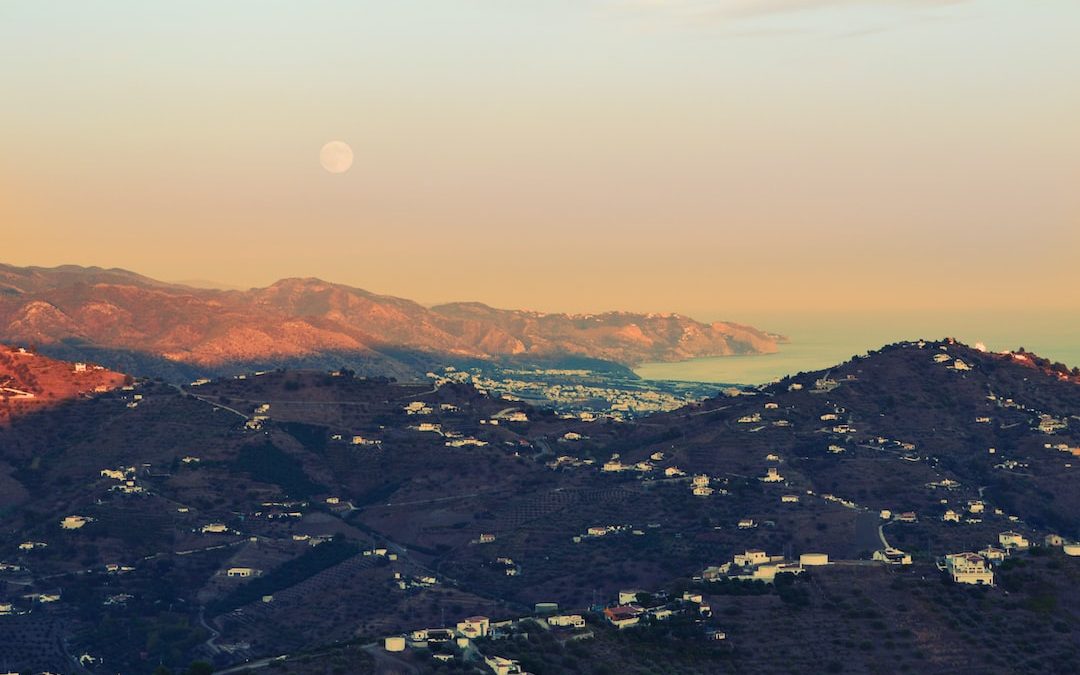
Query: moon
[(336, 157)]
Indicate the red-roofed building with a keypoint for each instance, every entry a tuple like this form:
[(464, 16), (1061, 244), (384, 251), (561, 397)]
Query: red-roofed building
[(623, 616)]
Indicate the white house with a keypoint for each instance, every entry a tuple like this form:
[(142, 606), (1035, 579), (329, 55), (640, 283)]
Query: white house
[(951, 516), (242, 572), (1011, 540), (1054, 540), (474, 627), (623, 616), (629, 596), (566, 621), (74, 522), (754, 557), (994, 554), (772, 476), (789, 499), (969, 568)]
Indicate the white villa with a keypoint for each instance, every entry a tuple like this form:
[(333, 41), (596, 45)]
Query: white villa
[(969, 568), (1011, 540)]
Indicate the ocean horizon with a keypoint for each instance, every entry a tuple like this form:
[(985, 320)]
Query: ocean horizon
[(819, 342)]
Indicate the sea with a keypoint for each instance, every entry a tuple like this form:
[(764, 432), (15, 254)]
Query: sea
[(818, 341)]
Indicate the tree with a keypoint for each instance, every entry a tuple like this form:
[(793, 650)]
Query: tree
[(200, 668)]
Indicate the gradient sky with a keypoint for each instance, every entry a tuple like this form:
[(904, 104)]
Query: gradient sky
[(713, 157)]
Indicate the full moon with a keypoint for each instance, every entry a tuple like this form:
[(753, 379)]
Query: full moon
[(336, 157)]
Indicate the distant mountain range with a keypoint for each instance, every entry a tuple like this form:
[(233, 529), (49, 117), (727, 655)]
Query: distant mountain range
[(141, 325)]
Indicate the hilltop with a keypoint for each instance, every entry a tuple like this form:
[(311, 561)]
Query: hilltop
[(352, 508), (144, 326)]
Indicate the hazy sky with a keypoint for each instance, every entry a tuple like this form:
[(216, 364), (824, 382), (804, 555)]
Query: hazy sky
[(708, 156)]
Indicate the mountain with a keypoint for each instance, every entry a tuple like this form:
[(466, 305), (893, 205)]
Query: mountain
[(304, 516), (146, 326)]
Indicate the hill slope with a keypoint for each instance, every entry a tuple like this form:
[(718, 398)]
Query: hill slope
[(174, 488), (30, 382)]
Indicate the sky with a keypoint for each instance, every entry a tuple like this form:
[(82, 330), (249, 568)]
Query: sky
[(713, 157)]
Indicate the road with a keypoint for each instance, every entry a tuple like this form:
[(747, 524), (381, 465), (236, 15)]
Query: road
[(209, 402)]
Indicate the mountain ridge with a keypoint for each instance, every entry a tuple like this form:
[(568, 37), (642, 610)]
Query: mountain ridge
[(74, 309)]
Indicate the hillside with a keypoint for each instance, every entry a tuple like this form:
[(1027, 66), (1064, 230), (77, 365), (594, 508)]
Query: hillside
[(30, 382), (148, 327), (363, 508)]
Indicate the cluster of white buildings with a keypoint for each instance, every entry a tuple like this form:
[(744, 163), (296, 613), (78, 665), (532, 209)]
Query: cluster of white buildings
[(618, 403), (125, 477), (757, 565), (461, 637)]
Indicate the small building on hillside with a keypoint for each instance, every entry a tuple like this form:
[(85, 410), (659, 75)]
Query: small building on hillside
[(753, 557), (994, 554), (623, 616), (74, 522), (969, 568), (474, 627), (566, 621), (1011, 540)]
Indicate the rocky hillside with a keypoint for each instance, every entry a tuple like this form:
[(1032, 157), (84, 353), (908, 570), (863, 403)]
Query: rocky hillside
[(31, 382), (135, 322)]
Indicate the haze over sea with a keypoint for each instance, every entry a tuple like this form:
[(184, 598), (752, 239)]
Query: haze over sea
[(819, 340)]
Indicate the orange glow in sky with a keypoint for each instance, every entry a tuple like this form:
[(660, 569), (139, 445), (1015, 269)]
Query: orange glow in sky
[(697, 157)]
